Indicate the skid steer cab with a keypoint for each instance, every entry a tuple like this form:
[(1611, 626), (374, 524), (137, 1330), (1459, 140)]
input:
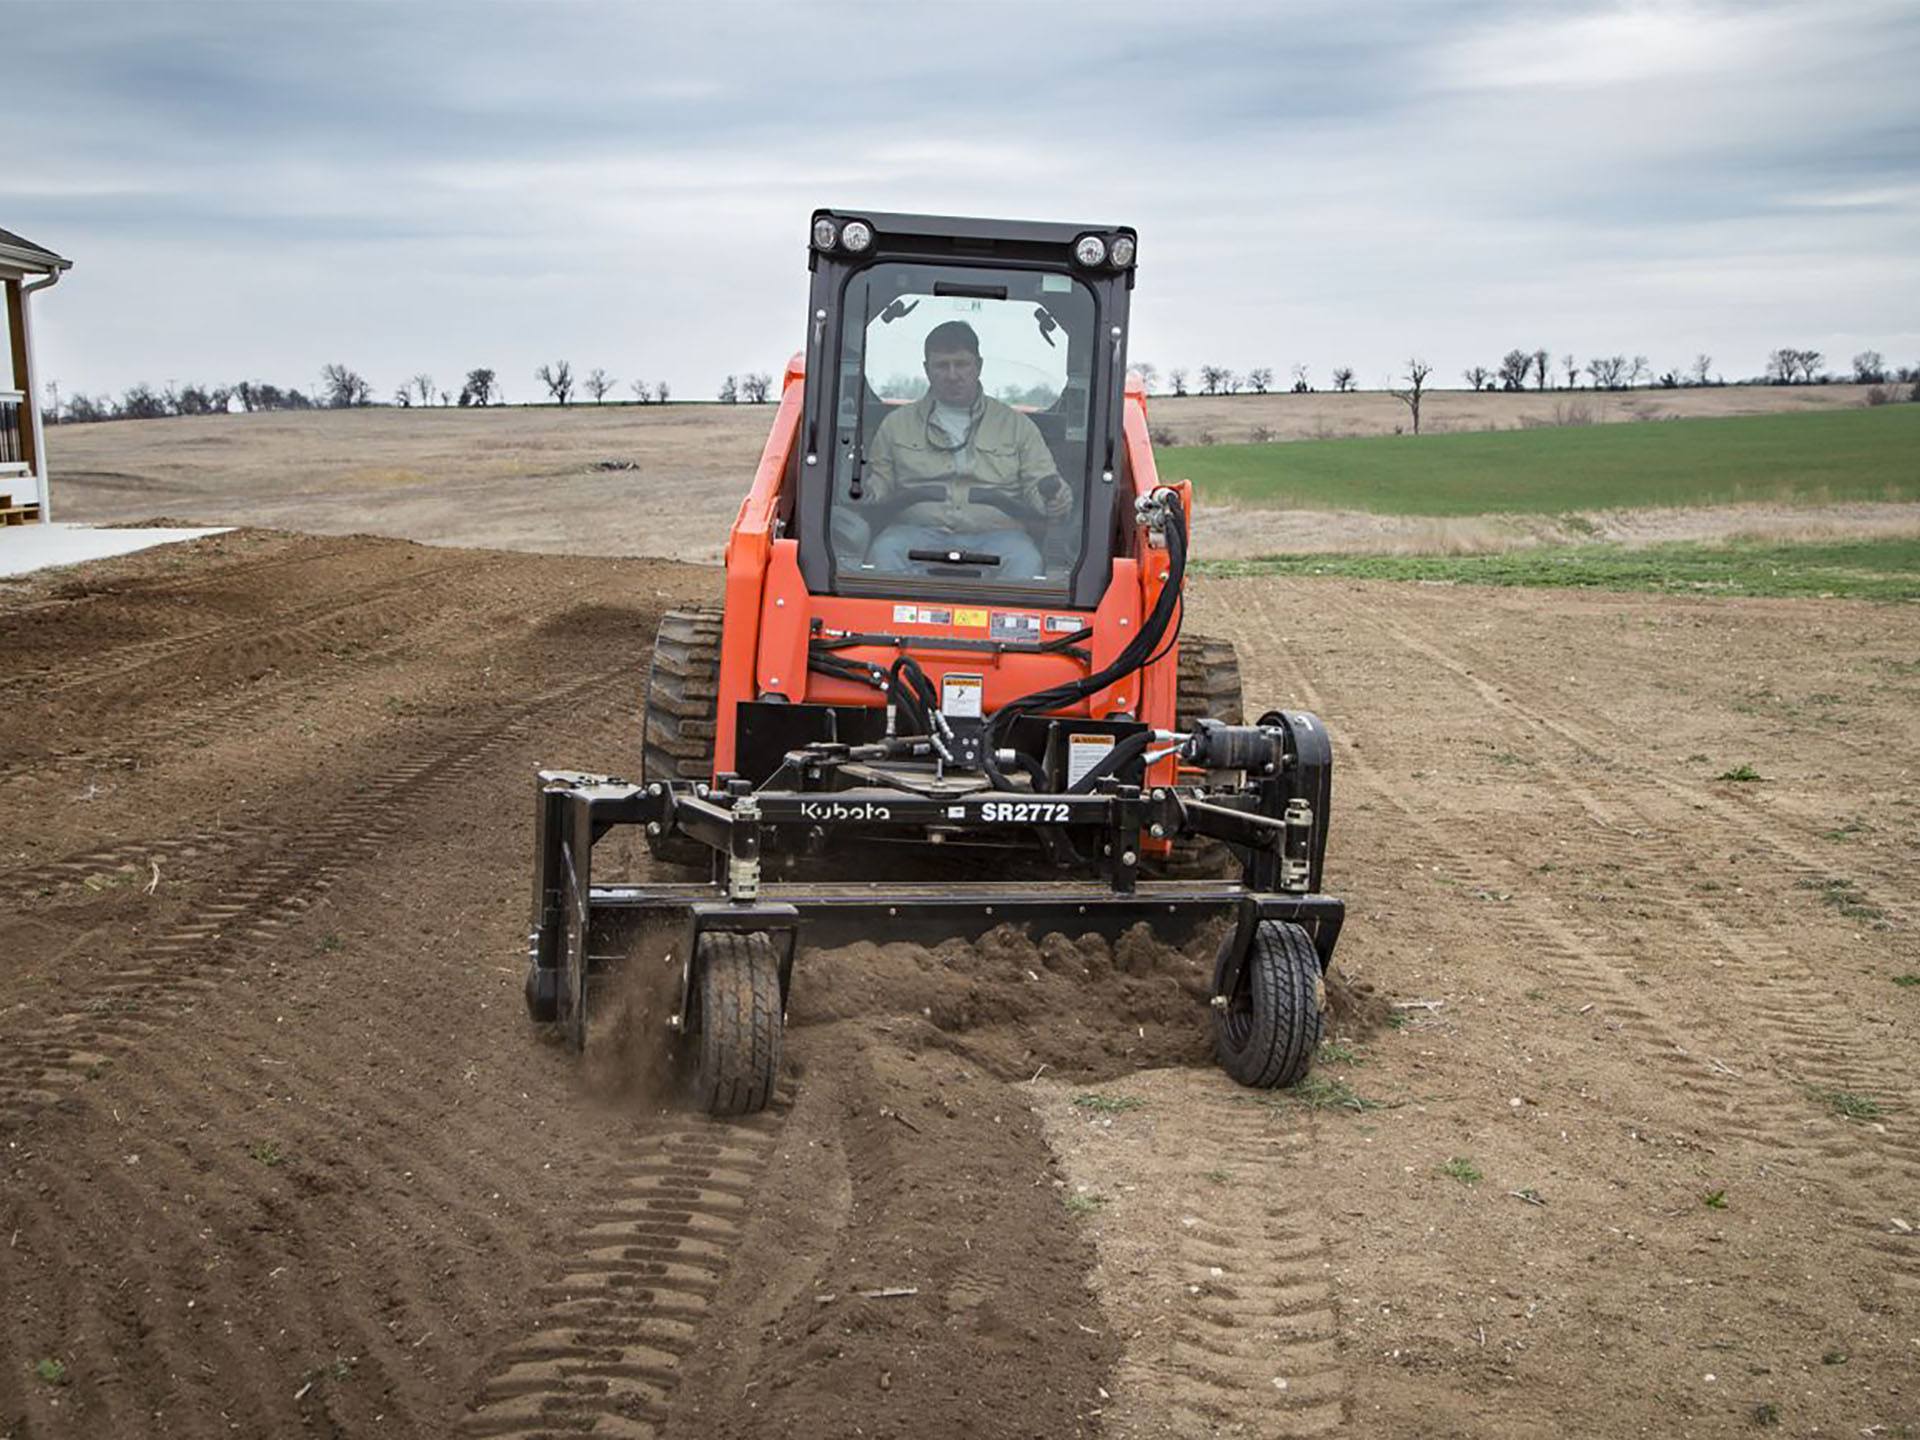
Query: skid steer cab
[(951, 631)]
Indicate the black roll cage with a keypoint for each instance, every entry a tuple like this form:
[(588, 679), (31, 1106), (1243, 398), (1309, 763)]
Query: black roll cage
[(977, 245)]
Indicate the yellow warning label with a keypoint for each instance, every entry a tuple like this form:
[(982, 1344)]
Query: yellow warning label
[(977, 619)]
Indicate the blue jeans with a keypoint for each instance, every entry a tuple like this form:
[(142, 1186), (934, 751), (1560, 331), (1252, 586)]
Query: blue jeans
[(1019, 556)]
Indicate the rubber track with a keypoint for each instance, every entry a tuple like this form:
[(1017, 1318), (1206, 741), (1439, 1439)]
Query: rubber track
[(604, 1355), (683, 697)]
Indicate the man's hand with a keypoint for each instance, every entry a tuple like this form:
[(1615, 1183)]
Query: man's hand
[(1055, 495)]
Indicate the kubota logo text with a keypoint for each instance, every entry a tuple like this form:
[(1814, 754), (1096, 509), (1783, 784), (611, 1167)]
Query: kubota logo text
[(836, 810)]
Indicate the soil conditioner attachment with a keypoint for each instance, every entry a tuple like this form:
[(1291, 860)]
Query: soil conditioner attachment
[(951, 636)]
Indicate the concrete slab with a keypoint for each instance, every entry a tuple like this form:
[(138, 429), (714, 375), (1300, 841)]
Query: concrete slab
[(26, 548)]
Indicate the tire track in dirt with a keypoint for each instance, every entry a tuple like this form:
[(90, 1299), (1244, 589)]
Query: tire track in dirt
[(372, 1325), (210, 718), (129, 862), (277, 626), (628, 1303), (1200, 1225), (1589, 959), (1768, 979), (277, 889), (1745, 822), (1256, 1330)]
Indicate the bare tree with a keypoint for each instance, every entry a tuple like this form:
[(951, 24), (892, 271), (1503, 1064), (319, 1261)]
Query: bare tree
[(1539, 369), (1702, 367), (1572, 367), (341, 388), (1149, 374), (1514, 367), (1178, 379), (424, 384), (640, 391), (1789, 366), (1477, 377), (403, 397), (1212, 378), (1343, 378), (1607, 371), (1869, 367), (479, 389), (1260, 379), (730, 390), (138, 402), (1417, 372), (1638, 370), (598, 383), (446, 398), (755, 388), (558, 378), (1302, 383), (1232, 381), (663, 391)]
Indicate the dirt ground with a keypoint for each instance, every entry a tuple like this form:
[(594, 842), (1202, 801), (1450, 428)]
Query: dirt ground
[(1621, 1142), (666, 480)]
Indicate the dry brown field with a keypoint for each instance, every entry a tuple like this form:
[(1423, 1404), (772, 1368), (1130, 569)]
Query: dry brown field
[(1620, 1140), (665, 480)]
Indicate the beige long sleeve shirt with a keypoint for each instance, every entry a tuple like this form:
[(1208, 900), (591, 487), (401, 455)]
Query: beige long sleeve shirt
[(1003, 450)]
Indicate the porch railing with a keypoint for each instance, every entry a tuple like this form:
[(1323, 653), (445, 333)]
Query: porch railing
[(14, 418)]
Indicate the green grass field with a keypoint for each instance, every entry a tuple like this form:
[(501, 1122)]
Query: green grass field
[(1852, 569), (1795, 459)]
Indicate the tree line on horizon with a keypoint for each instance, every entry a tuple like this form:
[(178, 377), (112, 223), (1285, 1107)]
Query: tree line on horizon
[(341, 388)]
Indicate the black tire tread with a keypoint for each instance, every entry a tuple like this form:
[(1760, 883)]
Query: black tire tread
[(741, 1024), (1288, 994), (681, 714), (1209, 688)]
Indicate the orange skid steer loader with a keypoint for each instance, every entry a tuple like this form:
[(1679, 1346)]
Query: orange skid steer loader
[(952, 618)]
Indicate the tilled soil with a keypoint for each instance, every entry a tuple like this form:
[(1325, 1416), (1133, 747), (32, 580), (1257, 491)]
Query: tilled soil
[(1632, 1156)]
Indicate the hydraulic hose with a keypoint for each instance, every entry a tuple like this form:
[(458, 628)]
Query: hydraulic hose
[(1141, 651)]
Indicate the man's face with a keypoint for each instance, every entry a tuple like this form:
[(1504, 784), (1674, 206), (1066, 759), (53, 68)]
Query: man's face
[(954, 376)]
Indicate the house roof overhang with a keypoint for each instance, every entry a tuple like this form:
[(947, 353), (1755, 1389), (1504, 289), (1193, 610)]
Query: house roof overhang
[(19, 253)]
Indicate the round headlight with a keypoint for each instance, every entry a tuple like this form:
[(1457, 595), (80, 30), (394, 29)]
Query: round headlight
[(857, 235), (1090, 250), (1122, 251), (825, 232)]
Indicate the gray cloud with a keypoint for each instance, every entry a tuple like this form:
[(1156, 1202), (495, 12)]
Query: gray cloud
[(257, 189)]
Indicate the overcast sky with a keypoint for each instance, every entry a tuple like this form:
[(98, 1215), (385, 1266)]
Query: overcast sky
[(254, 189)]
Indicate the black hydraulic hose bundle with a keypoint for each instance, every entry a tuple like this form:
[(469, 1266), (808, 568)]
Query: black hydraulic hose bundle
[(1139, 652), (918, 701)]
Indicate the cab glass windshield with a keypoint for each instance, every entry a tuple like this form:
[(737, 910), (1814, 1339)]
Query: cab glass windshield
[(960, 454)]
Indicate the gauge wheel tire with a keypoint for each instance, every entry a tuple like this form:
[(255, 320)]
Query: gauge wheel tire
[(741, 1024), (1268, 1031), (1209, 689), (682, 709)]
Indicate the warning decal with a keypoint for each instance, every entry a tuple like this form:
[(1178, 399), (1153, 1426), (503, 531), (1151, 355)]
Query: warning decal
[(975, 619), (1083, 753), (960, 696)]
